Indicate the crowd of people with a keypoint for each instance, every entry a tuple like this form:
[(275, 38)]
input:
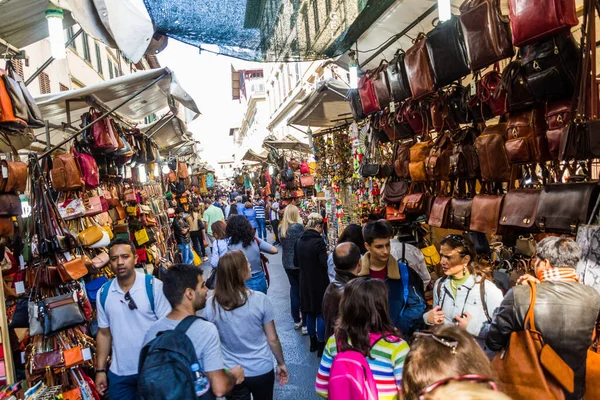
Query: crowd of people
[(363, 304)]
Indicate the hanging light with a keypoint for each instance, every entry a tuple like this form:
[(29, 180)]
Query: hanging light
[(444, 10), (165, 168), (353, 71), (310, 137), (54, 16)]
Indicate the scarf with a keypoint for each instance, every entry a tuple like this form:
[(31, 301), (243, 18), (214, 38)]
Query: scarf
[(562, 274)]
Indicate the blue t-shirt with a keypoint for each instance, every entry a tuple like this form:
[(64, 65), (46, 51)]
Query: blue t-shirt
[(250, 215), (242, 333)]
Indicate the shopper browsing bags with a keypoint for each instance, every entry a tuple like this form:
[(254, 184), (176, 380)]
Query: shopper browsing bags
[(182, 236)]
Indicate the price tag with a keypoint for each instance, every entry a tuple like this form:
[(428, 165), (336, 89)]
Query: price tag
[(67, 256), (87, 354), (35, 312), (392, 107), (22, 357), (21, 262), (4, 171), (20, 287), (472, 89)]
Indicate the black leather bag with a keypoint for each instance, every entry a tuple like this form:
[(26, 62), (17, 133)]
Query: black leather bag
[(369, 170), (518, 93), (550, 67), (355, 104), (394, 191), (61, 312), (397, 78), (447, 52)]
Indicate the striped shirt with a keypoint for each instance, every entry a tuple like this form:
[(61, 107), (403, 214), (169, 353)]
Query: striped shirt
[(386, 362), (260, 209)]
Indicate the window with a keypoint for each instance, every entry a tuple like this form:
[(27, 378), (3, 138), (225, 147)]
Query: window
[(18, 66), (306, 27), (316, 12), (328, 7), (69, 36), (116, 71), (86, 47), (98, 58), (63, 87), (44, 83), (110, 69)]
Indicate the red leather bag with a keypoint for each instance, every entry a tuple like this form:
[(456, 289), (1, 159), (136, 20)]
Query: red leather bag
[(533, 20), (89, 169), (103, 134), (368, 97), (490, 92), (411, 114)]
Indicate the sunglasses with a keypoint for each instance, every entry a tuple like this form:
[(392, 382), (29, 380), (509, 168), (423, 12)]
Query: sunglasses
[(473, 378), (130, 303), (447, 341)]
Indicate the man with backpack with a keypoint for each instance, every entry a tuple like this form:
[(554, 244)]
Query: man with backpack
[(405, 288), (127, 306), (181, 342)]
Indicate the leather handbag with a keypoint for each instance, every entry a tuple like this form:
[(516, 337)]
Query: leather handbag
[(394, 191), (458, 110), (182, 170), (418, 69), (464, 161), (63, 311), (563, 206), (380, 81), (8, 119), (414, 202), (48, 359), (519, 209), (353, 98), (307, 180), (393, 214), (130, 196), (65, 175), (558, 116), (397, 78), (89, 169), (411, 113), (10, 205), (16, 97), (540, 368), (494, 163), (368, 97), (490, 92), (437, 163), (418, 171), (439, 215), (477, 111), (486, 213), (72, 270), (35, 325), (369, 170), (447, 52), (93, 287), (141, 237), (13, 176), (402, 158), (431, 256), (526, 132), (103, 135), (34, 116), (94, 206), (532, 21), (73, 357), (90, 235), (518, 93), (550, 67), (460, 214), (7, 227), (71, 208), (486, 32), (525, 246)]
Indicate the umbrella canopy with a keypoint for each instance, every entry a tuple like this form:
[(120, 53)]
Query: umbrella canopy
[(325, 106), (252, 156)]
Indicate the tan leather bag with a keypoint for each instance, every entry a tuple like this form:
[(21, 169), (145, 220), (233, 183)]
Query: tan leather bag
[(439, 215), (418, 69), (16, 176), (72, 270), (65, 175), (526, 137), (485, 213), (182, 170)]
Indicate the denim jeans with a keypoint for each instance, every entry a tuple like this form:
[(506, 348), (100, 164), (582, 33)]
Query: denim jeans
[(186, 253), (198, 242), (294, 278), (122, 387), (257, 282), (315, 325), (262, 231)]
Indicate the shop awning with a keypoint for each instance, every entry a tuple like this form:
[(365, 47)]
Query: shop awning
[(325, 106), (252, 156), (288, 143)]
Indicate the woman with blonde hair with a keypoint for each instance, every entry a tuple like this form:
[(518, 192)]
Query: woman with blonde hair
[(310, 257), (246, 322), (290, 230)]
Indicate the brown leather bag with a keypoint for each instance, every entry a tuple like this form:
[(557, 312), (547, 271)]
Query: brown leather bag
[(491, 151), (16, 176), (402, 158), (563, 206), (182, 170), (486, 33), (486, 213), (7, 227), (558, 116), (418, 154), (418, 171), (439, 216), (72, 270), (10, 205), (437, 162), (418, 69), (520, 208), (394, 191), (393, 214), (380, 81), (65, 174), (542, 374), (464, 161), (460, 214), (526, 133)]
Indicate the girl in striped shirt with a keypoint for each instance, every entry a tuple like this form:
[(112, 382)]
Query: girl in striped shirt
[(364, 326)]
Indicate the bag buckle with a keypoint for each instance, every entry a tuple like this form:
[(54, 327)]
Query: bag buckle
[(536, 66)]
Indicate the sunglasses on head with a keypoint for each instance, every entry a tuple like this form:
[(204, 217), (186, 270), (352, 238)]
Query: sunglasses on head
[(447, 341), (473, 378)]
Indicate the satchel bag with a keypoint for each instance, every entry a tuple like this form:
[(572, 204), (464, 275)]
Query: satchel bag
[(380, 81), (89, 169), (65, 174), (486, 213), (418, 156), (353, 98), (439, 216), (558, 116), (542, 374), (525, 246), (447, 52), (460, 214), (402, 158), (520, 208), (526, 132), (393, 214), (418, 69), (13, 176), (494, 163), (464, 161), (368, 96), (72, 270), (414, 202), (532, 21), (397, 78), (63, 311), (10, 205), (394, 191), (431, 256), (486, 33), (563, 206), (437, 163)]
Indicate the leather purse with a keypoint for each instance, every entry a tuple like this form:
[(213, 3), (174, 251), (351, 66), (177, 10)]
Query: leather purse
[(353, 98), (141, 237), (414, 203), (71, 208), (368, 96), (494, 163), (490, 92), (526, 133), (307, 180), (431, 256), (460, 214), (410, 113), (49, 359), (91, 235), (397, 78), (486, 213), (16, 97), (519, 209), (103, 135), (437, 163), (439, 216), (369, 170), (10, 205), (393, 214), (486, 33), (563, 206), (525, 246), (402, 158), (418, 171), (89, 169), (35, 326), (93, 287), (34, 116), (394, 191), (62, 311), (558, 116), (95, 205), (100, 261), (380, 81), (447, 52), (130, 196), (464, 161), (182, 170), (48, 276), (532, 21), (7, 227), (418, 69), (518, 93), (13, 176), (72, 270), (73, 357), (65, 174), (8, 119)]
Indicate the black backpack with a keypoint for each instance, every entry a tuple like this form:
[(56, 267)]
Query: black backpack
[(164, 370)]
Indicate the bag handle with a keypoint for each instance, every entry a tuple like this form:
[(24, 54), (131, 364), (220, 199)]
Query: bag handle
[(529, 318)]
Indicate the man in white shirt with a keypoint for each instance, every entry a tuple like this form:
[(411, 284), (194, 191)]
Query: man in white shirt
[(274, 217), (127, 307), (414, 259)]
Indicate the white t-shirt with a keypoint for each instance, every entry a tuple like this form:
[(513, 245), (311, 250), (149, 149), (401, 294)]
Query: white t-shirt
[(414, 258), (128, 327)]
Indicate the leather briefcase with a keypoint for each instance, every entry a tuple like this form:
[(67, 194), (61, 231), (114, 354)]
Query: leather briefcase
[(393, 214), (460, 214), (399, 86), (414, 203), (519, 208), (439, 215), (486, 213), (486, 33), (563, 206), (532, 21), (447, 52), (418, 69)]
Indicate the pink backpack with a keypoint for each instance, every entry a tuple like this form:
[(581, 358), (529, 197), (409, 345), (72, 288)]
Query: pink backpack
[(351, 378)]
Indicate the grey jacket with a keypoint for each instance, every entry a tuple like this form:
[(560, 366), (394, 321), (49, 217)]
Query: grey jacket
[(287, 245), (564, 313)]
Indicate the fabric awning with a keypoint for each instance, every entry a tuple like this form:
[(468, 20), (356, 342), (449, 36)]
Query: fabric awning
[(252, 156), (325, 106), (288, 143)]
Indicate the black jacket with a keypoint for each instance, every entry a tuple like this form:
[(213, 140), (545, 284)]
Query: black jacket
[(310, 256), (332, 298), (564, 313)]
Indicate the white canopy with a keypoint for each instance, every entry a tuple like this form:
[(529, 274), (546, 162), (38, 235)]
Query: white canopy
[(325, 106)]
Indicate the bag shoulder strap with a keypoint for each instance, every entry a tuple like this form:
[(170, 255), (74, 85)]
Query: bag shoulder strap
[(529, 323), (483, 299), (150, 290), (104, 294), (185, 323), (405, 281)]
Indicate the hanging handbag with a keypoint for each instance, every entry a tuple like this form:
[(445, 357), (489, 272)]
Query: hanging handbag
[(410, 113), (16, 97), (65, 175), (182, 170), (7, 227), (526, 132), (490, 92), (141, 237), (486, 33), (486, 213), (439, 215), (89, 169), (431, 256), (558, 116), (519, 209), (415, 201), (397, 78), (13, 176), (8, 119), (353, 98), (525, 246), (418, 156), (393, 214), (103, 134), (437, 163), (35, 325), (95, 205), (418, 69), (460, 214), (72, 270), (532, 21), (10, 205), (34, 116), (71, 208), (91, 235), (307, 181), (447, 52), (63, 311), (402, 158), (394, 190), (494, 163), (380, 82), (368, 96), (518, 93), (464, 161)]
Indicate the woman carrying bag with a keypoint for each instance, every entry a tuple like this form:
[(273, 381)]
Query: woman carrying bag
[(290, 230)]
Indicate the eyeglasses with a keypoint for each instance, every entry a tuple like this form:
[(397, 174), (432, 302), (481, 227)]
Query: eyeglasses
[(473, 378), (130, 303), (458, 238), (447, 341)]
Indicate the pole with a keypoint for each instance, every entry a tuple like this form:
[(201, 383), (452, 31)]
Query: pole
[(168, 119), (106, 114)]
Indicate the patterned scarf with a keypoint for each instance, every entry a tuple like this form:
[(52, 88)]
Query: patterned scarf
[(562, 274)]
